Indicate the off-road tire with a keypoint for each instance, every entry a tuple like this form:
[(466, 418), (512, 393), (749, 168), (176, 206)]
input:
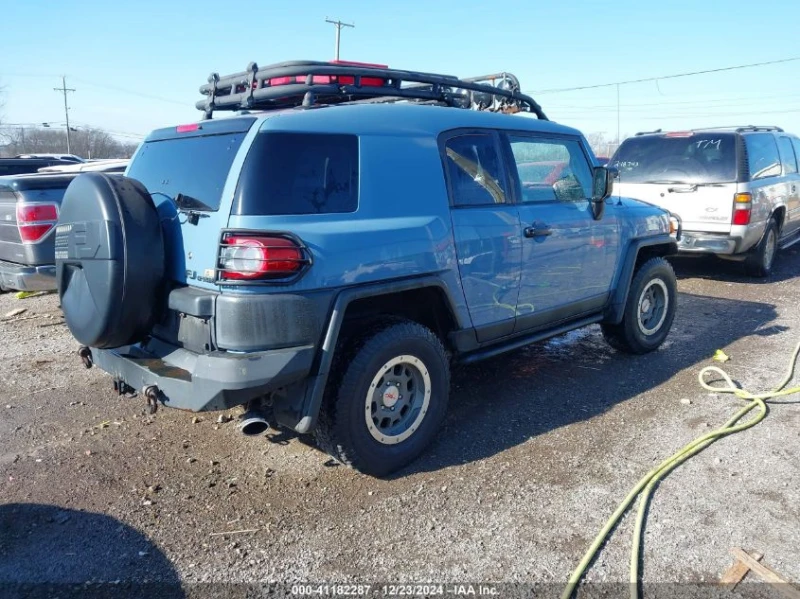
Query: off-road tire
[(342, 429), (761, 259), (654, 277)]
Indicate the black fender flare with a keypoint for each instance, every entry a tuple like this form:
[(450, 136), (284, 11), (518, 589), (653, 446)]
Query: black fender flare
[(619, 296), (314, 387)]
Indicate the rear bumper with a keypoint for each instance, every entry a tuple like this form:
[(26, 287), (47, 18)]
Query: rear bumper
[(27, 278), (739, 240), (203, 382), (705, 243)]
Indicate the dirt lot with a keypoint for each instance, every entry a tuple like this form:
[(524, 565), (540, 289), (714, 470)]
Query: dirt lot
[(538, 448)]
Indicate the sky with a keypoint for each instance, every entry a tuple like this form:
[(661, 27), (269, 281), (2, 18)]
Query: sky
[(137, 65)]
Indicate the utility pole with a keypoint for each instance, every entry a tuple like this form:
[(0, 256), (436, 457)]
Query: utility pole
[(64, 89), (339, 25), (617, 114)]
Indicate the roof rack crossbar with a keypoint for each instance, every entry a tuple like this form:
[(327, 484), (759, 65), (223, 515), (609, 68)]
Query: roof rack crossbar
[(305, 83), (741, 128)]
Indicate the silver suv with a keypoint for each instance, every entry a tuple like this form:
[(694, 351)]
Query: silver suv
[(736, 189)]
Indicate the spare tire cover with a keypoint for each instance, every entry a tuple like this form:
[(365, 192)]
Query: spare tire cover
[(109, 260)]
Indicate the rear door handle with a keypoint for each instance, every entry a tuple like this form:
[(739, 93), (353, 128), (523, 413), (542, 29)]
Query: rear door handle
[(538, 231)]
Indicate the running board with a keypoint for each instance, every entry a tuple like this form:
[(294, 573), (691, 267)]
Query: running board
[(511, 344), (790, 243)]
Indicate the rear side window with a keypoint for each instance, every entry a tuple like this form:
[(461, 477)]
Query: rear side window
[(474, 170), (299, 173), (788, 157), (707, 157), (195, 167), (762, 155), (796, 144)]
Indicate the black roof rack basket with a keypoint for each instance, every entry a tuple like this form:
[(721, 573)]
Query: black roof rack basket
[(310, 83)]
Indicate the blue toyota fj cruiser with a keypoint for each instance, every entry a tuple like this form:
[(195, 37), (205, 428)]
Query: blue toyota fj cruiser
[(327, 252)]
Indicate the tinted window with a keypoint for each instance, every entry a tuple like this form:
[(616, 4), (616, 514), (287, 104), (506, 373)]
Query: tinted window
[(677, 158), (551, 169), (474, 170), (22, 166), (762, 155), (195, 167), (299, 173), (788, 157)]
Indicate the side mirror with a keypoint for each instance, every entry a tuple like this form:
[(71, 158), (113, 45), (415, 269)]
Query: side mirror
[(602, 184)]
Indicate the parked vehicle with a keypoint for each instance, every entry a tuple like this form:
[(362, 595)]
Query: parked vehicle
[(103, 166), (21, 166), (65, 157), (736, 189), (29, 206), (329, 254)]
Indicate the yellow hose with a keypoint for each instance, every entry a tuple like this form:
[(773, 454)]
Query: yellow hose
[(648, 483)]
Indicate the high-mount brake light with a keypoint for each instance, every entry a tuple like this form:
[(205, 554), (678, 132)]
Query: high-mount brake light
[(34, 221), (679, 134), (188, 128), (245, 258)]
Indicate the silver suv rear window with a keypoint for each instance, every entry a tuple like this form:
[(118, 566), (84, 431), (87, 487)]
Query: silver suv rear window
[(677, 158)]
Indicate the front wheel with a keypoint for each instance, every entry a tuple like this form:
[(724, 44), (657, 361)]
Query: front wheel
[(759, 262), (386, 399), (649, 310)]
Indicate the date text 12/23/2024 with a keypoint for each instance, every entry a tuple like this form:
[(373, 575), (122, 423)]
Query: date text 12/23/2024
[(394, 590)]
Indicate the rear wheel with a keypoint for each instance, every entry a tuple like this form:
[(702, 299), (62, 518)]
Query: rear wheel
[(759, 262), (386, 399), (649, 310)]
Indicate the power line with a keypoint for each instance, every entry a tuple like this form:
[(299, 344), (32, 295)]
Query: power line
[(674, 76), (132, 92), (105, 86), (715, 102), (64, 89)]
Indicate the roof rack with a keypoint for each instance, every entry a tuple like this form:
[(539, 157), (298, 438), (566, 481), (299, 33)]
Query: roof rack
[(312, 83), (739, 128)]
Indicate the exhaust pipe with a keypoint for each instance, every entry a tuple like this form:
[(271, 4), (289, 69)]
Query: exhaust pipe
[(253, 423)]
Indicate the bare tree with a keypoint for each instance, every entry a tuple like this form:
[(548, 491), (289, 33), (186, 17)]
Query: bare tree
[(85, 142)]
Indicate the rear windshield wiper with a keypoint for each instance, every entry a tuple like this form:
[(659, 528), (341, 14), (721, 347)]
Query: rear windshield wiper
[(193, 208), (190, 204), (666, 182)]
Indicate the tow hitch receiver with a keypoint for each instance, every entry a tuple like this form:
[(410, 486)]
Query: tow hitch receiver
[(124, 388)]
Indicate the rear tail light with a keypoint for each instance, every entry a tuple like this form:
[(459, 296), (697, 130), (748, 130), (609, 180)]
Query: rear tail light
[(246, 258), (35, 221), (742, 208)]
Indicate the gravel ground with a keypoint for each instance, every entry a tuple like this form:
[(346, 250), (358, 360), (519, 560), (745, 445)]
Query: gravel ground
[(538, 449)]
